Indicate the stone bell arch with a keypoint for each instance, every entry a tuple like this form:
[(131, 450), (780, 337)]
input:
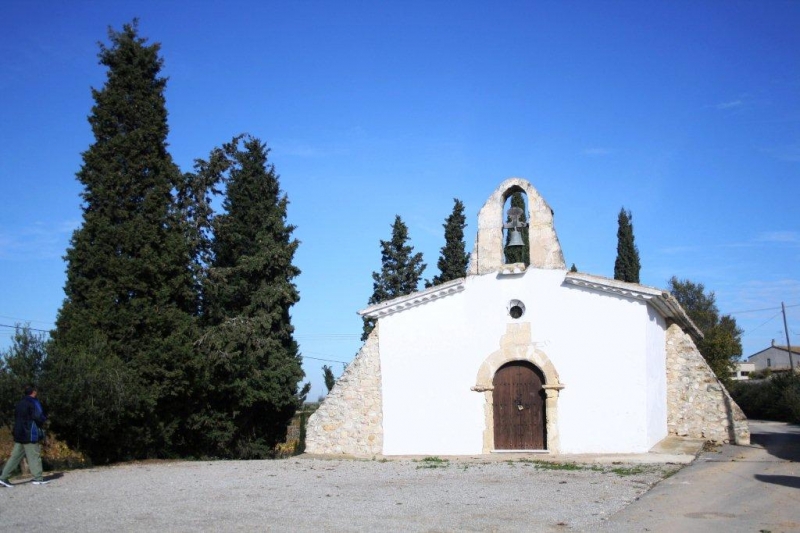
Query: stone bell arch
[(545, 250)]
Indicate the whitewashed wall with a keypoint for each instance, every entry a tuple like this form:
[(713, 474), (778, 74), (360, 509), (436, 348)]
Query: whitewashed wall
[(605, 349), (656, 378)]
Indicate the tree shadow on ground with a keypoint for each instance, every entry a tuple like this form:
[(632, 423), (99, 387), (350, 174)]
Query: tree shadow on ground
[(783, 443), (786, 481)]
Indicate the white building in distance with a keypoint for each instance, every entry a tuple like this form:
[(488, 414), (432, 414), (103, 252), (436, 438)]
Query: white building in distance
[(776, 358)]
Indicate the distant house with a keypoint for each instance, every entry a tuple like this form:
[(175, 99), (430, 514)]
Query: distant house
[(776, 358), (524, 357), (743, 371)]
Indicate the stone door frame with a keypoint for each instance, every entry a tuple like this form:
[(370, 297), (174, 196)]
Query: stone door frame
[(516, 345), (525, 427)]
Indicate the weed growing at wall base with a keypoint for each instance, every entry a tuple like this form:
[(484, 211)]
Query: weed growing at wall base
[(433, 462), (548, 465)]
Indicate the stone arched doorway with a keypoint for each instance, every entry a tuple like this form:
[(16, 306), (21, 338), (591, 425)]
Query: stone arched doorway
[(519, 407), (516, 346)]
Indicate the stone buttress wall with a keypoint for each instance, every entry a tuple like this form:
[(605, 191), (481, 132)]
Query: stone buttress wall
[(698, 405), (350, 419)]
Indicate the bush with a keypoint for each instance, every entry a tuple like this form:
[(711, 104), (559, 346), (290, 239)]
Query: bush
[(777, 398), (56, 455)]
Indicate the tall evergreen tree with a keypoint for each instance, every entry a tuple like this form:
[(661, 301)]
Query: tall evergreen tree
[(626, 267), (116, 373), (519, 254), (252, 363), (722, 342), (198, 191), (400, 273), (453, 259)]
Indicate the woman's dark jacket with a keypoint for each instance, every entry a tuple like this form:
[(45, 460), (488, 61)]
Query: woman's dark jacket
[(28, 413)]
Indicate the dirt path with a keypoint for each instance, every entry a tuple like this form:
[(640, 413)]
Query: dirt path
[(309, 494)]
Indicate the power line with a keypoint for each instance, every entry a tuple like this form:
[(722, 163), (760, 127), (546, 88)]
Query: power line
[(757, 310), (330, 337), (304, 357), (765, 323), (25, 319), (24, 327), (326, 360)]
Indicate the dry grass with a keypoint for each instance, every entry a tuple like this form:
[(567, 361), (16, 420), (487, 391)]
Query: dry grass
[(56, 455)]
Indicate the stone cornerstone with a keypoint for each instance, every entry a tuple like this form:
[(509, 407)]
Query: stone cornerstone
[(698, 405), (350, 420)]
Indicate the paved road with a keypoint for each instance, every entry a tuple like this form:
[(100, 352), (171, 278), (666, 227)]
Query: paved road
[(738, 488)]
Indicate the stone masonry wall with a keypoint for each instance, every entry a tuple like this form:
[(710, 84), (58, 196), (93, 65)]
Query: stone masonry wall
[(698, 405), (350, 419)]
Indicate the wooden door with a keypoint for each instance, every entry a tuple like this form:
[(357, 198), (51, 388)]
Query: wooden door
[(519, 414)]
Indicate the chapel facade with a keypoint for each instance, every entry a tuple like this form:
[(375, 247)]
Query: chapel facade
[(524, 356)]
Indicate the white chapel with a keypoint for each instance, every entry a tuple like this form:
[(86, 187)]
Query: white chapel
[(518, 357)]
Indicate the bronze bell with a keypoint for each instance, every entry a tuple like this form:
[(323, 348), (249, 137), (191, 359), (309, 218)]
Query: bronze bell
[(516, 238)]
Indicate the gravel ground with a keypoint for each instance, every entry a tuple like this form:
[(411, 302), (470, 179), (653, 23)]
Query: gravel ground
[(311, 494)]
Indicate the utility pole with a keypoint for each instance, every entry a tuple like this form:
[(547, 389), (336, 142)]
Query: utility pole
[(788, 344)]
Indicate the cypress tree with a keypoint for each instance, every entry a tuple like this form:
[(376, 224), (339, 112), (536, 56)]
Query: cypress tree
[(626, 267), (400, 273), (199, 189), (453, 258), (116, 373), (519, 254), (327, 375), (252, 363)]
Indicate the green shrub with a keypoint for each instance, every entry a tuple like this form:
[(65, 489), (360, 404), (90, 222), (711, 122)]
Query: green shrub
[(777, 398)]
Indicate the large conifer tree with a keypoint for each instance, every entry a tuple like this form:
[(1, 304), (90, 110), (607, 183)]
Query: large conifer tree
[(198, 191), (400, 273), (453, 258), (626, 267), (116, 373), (252, 365)]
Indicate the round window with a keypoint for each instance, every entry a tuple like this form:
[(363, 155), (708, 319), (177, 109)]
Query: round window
[(516, 309)]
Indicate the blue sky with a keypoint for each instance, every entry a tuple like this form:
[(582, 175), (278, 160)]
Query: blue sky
[(686, 113)]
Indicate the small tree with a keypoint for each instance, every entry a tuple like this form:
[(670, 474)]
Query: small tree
[(20, 364), (722, 343), (400, 273), (519, 254), (330, 380), (453, 258), (573, 268), (626, 267)]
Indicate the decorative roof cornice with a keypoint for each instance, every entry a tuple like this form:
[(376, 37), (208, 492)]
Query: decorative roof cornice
[(661, 300), (401, 303)]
